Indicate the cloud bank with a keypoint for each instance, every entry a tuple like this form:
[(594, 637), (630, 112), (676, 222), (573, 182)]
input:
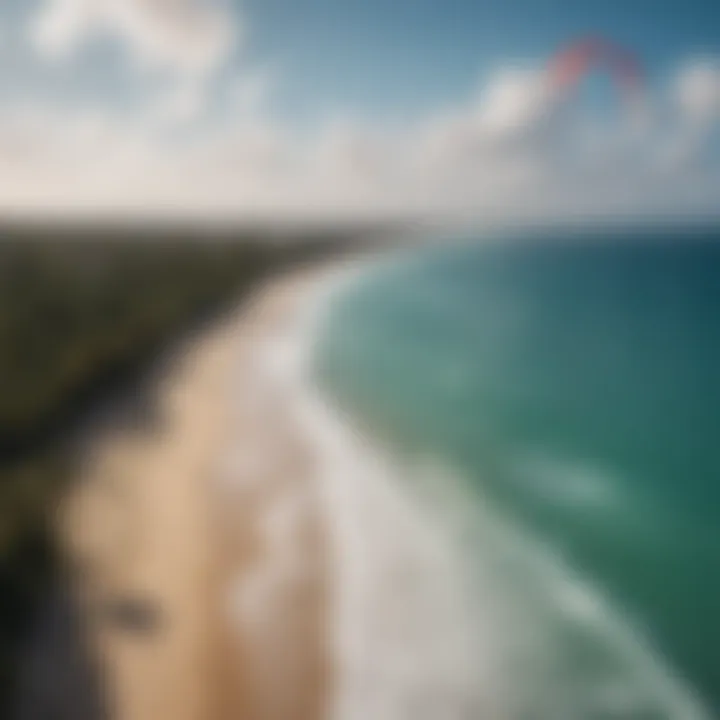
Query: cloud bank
[(190, 37), (510, 148)]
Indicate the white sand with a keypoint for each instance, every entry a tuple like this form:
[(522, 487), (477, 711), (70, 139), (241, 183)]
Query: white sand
[(212, 519)]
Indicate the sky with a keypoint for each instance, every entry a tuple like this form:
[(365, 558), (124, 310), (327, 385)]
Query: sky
[(353, 108)]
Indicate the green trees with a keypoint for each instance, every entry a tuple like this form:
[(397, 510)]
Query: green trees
[(76, 316), (80, 311), (76, 312)]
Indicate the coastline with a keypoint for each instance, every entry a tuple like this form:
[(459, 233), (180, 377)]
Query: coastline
[(426, 625), (295, 572), (204, 576), (273, 531), (287, 573), (400, 624)]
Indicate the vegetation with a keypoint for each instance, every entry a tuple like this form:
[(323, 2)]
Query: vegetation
[(79, 313)]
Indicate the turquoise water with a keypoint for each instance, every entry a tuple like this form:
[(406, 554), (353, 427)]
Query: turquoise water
[(573, 381)]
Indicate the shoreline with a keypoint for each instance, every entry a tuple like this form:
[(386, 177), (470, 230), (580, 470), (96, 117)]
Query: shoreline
[(251, 555), (275, 534), (181, 538), (399, 620), (415, 630), (314, 582)]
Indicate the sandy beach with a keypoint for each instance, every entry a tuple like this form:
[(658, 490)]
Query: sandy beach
[(200, 537)]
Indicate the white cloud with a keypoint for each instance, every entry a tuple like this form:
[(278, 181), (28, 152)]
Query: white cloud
[(179, 104), (250, 93), (515, 101), (188, 36), (695, 104), (697, 91), (502, 153), (187, 39)]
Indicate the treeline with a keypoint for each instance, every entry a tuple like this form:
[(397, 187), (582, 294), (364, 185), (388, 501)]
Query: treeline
[(80, 312)]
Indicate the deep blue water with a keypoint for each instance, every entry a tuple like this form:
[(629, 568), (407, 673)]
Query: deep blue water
[(573, 379)]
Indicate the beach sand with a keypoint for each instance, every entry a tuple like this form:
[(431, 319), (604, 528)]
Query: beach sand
[(199, 537)]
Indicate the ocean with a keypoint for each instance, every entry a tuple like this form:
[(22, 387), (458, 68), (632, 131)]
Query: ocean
[(533, 528)]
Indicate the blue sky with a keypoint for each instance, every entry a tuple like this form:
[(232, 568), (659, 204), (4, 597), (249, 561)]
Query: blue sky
[(403, 56), (386, 58), (369, 105)]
